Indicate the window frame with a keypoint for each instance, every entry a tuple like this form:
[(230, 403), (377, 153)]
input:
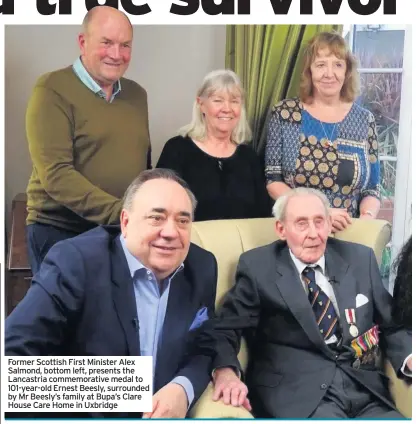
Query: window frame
[(401, 229)]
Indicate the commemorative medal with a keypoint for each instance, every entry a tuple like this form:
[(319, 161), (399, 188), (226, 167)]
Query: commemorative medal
[(350, 316), (353, 330)]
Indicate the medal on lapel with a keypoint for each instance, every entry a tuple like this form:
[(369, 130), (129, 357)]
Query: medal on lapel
[(350, 316)]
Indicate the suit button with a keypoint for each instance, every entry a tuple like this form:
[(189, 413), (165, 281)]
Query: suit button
[(323, 386)]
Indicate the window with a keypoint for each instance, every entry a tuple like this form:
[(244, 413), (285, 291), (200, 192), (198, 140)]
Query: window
[(383, 53)]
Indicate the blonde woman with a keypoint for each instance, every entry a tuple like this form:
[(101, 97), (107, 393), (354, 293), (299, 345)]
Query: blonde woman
[(225, 174), (324, 139)]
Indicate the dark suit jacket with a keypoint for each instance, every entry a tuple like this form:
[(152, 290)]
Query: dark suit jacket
[(291, 367), (82, 302)]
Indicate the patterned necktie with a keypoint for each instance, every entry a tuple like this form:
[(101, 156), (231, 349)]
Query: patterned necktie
[(326, 316)]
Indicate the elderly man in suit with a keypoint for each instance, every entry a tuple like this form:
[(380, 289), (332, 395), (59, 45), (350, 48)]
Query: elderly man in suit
[(142, 291), (315, 314)]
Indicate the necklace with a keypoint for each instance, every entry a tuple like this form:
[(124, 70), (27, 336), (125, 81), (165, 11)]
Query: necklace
[(328, 141)]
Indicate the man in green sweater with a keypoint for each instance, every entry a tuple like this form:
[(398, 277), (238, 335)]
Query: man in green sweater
[(88, 135)]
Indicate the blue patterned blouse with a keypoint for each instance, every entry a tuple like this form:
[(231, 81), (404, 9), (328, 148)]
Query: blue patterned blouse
[(339, 159)]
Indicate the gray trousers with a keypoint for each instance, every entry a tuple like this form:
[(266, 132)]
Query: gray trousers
[(348, 399)]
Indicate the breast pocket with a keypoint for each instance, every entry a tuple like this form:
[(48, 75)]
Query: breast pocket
[(364, 317)]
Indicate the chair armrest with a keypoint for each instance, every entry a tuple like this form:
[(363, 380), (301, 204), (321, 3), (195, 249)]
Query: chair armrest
[(401, 392), (207, 408), (374, 233)]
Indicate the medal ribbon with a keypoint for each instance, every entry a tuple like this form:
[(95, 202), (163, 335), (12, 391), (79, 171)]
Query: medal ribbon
[(350, 316)]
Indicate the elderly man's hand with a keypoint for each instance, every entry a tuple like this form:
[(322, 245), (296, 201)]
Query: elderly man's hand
[(169, 402), (340, 219), (232, 390)]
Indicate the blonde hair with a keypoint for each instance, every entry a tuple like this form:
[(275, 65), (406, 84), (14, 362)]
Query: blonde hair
[(219, 80), (337, 46)]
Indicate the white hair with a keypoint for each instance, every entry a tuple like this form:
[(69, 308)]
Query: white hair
[(215, 81), (280, 206)]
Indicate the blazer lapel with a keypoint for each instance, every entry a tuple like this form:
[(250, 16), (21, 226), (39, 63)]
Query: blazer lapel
[(124, 298), (177, 318), (344, 285), (293, 292)]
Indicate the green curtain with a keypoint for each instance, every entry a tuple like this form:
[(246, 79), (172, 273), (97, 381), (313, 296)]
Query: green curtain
[(268, 60)]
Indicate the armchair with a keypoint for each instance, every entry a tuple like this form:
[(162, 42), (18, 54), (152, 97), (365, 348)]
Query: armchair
[(228, 239)]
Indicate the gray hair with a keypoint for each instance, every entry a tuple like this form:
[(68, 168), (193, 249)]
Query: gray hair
[(280, 206), (155, 174), (219, 80)]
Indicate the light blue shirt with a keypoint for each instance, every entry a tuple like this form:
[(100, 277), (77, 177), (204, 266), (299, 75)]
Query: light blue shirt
[(151, 303), (86, 78)]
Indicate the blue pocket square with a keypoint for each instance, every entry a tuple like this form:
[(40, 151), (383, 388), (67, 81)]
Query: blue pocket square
[(200, 317)]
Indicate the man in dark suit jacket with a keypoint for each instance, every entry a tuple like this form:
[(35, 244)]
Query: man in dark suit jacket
[(301, 302), (144, 291)]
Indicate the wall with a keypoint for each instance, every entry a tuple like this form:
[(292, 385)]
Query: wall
[(169, 61)]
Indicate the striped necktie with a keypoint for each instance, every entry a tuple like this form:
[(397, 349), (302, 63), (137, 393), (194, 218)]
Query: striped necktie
[(326, 316)]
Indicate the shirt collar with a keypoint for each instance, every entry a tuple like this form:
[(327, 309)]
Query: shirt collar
[(134, 264), (86, 78), (300, 266)]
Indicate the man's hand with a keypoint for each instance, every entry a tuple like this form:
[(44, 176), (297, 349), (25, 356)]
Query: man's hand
[(232, 390), (409, 364), (169, 402), (340, 219)]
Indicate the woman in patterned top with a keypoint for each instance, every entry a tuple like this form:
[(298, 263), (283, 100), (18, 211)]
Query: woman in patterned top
[(324, 139)]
